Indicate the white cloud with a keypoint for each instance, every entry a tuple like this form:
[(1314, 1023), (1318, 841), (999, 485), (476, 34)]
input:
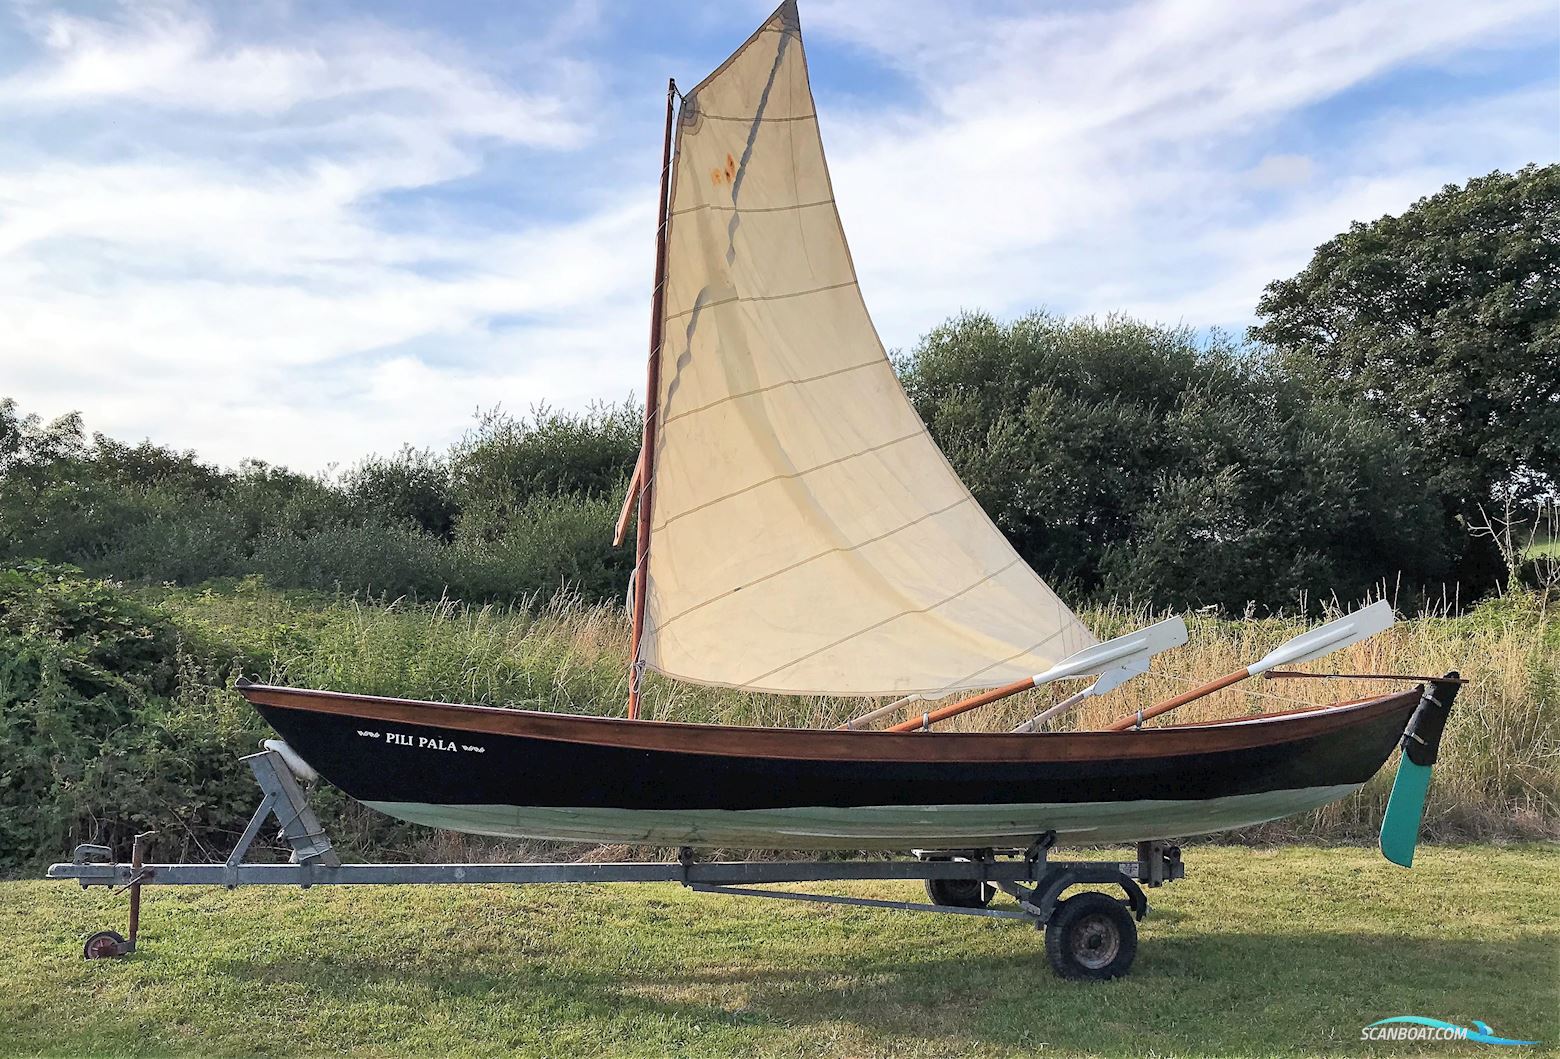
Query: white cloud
[(171, 57), (231, 283), (1282, 171), (1113, 158), (285, 242)]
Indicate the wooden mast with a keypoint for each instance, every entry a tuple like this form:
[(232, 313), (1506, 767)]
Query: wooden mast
[(645, 470)]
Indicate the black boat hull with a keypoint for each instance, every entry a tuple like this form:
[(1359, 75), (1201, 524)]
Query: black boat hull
[(513, 773)]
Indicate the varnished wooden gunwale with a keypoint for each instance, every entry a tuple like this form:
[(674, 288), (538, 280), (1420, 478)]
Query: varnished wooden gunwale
[(1279, 713), (832, 744)]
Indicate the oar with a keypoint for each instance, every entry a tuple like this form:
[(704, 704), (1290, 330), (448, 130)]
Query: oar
[(1334, 636), (1161, 636), (1421, 745), (1113, 661), (862, 720)]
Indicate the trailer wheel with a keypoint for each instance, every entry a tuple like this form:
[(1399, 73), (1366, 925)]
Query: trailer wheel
[(960, 893), (1091, 937), (103, 945)]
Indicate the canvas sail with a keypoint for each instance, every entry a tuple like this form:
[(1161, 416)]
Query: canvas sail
[(807, 535)]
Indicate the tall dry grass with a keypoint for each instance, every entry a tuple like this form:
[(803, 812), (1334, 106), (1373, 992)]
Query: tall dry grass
[(1497, 777)]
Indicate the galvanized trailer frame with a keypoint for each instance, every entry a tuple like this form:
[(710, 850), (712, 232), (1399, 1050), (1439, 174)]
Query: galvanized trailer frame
[(1099, 941)]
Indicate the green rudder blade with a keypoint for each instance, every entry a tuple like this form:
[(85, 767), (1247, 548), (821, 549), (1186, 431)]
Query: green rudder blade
[(1405, 809), (1421, 745)]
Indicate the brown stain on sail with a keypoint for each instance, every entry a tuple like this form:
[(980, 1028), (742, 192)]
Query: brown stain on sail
[(720, 176)]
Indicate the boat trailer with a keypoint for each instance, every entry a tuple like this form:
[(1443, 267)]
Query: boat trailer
[(1090, 935)]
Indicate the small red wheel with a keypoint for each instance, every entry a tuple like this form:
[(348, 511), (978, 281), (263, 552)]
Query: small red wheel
[(103, 945)]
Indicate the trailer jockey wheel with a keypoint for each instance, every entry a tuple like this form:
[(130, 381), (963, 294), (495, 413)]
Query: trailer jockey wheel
[(105, 944), (1091, 936), (960, 893)]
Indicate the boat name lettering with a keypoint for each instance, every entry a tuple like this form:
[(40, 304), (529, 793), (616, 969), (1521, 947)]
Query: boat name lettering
[(423, 742)]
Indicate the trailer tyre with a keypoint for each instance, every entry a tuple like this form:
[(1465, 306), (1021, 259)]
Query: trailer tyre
[(103, 945), (1091, 937), (960, 893)]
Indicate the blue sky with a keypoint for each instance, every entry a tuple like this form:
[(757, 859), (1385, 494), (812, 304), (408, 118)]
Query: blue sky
[(308, 231)]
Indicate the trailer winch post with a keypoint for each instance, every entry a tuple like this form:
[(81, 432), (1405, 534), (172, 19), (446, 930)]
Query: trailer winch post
[(137, 877)]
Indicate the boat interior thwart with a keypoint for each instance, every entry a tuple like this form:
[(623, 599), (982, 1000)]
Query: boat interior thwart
[(798, 532)]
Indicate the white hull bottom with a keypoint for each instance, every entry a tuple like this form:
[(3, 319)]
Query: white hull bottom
[(873, 826)]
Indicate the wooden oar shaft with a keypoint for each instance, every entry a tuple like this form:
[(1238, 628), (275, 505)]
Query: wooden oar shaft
[(859, 722), (1277, 674), (1034, 723), (1132, 720), (956, 708)]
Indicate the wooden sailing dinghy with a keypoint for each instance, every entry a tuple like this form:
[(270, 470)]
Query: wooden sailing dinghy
[(517, 773), (800, 533)]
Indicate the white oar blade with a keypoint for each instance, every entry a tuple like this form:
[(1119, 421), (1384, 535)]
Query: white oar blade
[(1112, 679), (1334, 636), (1121, 653)]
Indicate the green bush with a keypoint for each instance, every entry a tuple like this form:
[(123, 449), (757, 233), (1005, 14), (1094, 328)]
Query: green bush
[(551, 544), (114, 719), (366, 557), (521, 507), (108, 724), (184, 546), (505, 463), (410, 488)]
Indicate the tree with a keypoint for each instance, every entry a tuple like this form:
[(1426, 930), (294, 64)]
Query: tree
[(410, 488), (26, 444), (1445, 320), (1131, 460), (505, 462)]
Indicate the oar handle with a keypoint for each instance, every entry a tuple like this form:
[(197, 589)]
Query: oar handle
[(1034, 723), (954, 709), (1132, 720), (862, 720)]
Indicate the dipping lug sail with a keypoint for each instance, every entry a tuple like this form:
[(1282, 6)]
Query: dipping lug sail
[(807, 535), (801, 533)]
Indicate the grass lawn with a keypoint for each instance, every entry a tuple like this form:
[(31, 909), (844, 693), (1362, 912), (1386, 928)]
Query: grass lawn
[(1286, 951)]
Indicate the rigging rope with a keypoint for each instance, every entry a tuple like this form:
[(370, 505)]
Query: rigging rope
[(1245, 690)]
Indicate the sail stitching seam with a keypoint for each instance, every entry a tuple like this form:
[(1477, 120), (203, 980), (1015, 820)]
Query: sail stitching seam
[(964, 680), (751, 209), (764, 298), (750, 119), (879, 624), (781, 477), (814, 558), (666, 420)]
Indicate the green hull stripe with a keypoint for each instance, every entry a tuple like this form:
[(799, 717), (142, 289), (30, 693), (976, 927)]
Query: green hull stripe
[(872, 826)]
